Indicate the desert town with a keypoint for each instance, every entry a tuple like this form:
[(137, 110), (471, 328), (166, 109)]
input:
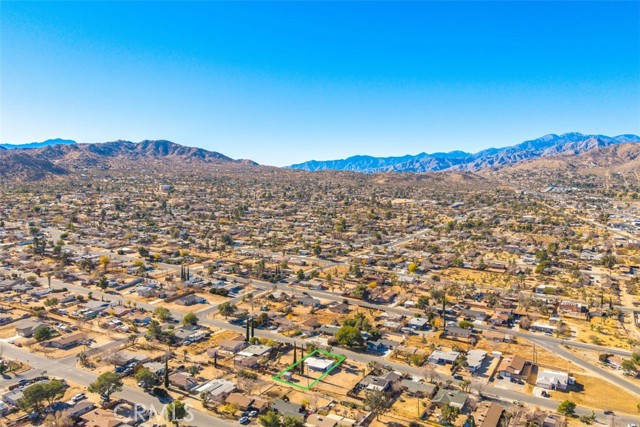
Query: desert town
[(323, 301)]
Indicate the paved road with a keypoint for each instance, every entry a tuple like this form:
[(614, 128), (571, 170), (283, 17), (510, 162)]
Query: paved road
[(604, 373), (66, 368)]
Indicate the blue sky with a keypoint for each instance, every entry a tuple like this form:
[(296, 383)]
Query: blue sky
[(282, 83)]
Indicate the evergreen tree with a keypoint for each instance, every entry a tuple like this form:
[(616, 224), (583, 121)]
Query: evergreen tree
[(295, 353), (253, 328), (166, 372), (444, 307)]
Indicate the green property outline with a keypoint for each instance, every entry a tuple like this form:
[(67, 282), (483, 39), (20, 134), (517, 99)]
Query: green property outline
[(339, 359)]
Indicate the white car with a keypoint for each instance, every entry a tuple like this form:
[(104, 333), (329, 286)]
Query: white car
[(79, 397)]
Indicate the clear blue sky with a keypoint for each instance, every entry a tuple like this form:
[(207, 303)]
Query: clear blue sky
[(282, 83)]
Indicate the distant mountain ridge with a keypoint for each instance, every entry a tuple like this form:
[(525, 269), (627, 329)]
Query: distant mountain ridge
[(549, 145), (63, 159), (47, 143)]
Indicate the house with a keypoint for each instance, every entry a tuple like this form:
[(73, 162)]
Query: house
[(27, 327), (316, 420), (497, 336), (12, 397), (183, 381), (554, 380), (418, 388), (329, 330), (513, 366), (499, 319), (450, 397), (231, 346), (260, 405), (472, 315), (218, 388), (147, 291), (92, 309), (543, 327), (156, 368), (191, 299), (101, 418), (68, 341), (457, 332), (239, 400), (79, 409), (392, 326), (307, 301), (440, 357), (475, 358), (318, 364), (256, 351), (418, 323), (380, 383), (490, 416), (288, 409), (381, 345), (339, 308)]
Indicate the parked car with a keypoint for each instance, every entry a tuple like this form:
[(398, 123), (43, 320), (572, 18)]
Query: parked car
[(244, 420), (78, 397)]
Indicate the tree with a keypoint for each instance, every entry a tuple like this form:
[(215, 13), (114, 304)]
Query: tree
[(190, 319), (106, 384), (43, 333), (54, 390), (103, 283), (35, 397), (608, 261), (465, 324), (166, 373), (290, 421), (87, 265), (567, 408), (83, 359), (162, 314), (175, 412), (154, 330), (449, 413), (133, 339), (144, 252), (226, 309), (413, 267), (145, 378), (104, 262), (51, 302), (378, 402), (628, 367), (349, 336), (300, 275), (270, 419)]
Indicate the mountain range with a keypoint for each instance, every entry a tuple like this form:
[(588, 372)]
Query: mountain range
[(63, 159), (549, 145), (47, 143), (567, 152)]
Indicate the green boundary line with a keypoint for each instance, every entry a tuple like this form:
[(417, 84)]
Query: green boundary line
[(339, 359)]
